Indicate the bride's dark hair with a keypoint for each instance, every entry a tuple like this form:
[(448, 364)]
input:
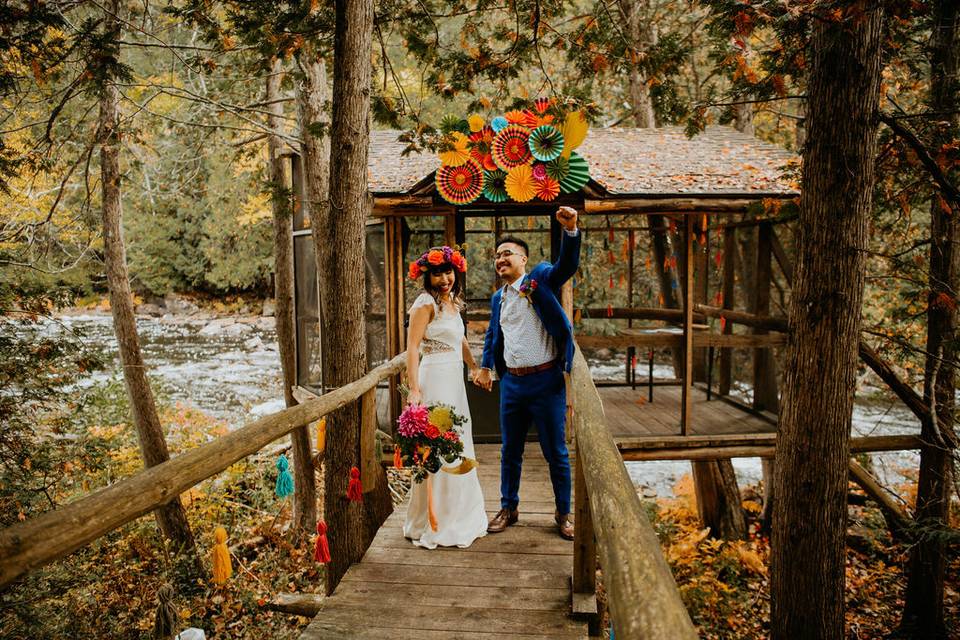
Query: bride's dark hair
[(456, 293)]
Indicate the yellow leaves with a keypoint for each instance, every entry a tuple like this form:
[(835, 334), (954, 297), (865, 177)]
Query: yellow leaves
[(749, 558), (255, 208)]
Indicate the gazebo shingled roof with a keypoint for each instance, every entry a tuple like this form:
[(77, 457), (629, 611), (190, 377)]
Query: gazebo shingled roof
[(629, 162)]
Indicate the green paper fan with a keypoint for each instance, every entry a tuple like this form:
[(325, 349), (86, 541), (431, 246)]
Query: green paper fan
[(546, 143), (451, 123), (558, 168), (577, 175), (494, 187)]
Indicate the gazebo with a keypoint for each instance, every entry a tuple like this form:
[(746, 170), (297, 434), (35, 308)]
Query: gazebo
[(640, 179)]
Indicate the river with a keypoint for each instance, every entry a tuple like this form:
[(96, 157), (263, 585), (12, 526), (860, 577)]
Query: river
[(229, 368)]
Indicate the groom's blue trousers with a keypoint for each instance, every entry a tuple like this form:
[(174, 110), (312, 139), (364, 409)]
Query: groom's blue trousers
[(541, 399)]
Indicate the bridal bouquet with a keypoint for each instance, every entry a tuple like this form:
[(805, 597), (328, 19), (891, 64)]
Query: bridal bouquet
[(427, 436)]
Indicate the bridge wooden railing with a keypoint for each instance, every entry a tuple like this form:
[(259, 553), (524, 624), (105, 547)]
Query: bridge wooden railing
[(52, 535), (642, 595)]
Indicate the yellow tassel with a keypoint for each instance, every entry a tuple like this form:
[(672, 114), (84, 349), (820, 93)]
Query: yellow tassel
[(431, 514), (322, 435), (221, 557)]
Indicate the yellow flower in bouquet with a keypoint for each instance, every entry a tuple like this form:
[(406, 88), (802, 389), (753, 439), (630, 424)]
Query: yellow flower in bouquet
[(441, 418)]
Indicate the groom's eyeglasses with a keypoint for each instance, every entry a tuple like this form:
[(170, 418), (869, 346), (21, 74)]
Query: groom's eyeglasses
[(506, 253)]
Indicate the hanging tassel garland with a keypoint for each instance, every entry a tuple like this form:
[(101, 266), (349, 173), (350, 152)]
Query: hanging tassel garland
[(321, 549), (355, 489), (397, 458), (718, 259), (611, 234), (164, 625), (431, 514), (322, 435), (284, 486), (611, 282), (221, 557), (723, 324), (609, 310)]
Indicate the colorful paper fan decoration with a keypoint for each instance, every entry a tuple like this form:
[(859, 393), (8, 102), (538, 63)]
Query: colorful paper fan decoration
[(574, 132), (520, 183), (494, 187), (539, 171), (510, 149), (457, 152), (577, 176), (461, 184), (452, 123), (523, 154), (546, 143), (558, 168), (548, 189), (475, 122)]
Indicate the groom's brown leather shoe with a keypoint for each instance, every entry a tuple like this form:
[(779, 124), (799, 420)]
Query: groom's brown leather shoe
[(503, 519), (564, 525)]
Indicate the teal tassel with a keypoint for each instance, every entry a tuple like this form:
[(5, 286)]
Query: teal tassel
[(284, 480)]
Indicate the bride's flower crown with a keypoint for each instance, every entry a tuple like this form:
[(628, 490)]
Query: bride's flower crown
[(438, 256)]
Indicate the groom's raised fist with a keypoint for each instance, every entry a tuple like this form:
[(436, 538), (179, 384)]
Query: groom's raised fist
[(567, 216)]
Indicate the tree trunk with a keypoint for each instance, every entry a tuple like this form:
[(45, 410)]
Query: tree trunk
[(153, 447), (743, 118), (304, 480), (641, 36), (352, 525), (718, 499), (923, 600), (813, 439), (315, 148)]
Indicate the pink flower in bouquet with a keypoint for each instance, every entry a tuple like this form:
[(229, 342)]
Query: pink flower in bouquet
[(413, 420), (451, 436)]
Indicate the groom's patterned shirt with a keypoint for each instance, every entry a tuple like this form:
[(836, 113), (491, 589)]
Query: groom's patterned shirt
[(526, 342)]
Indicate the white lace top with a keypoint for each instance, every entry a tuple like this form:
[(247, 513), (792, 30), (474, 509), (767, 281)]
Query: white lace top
[(444, 333)]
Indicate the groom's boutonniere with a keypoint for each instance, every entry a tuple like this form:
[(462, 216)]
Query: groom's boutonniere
[(527, 287)]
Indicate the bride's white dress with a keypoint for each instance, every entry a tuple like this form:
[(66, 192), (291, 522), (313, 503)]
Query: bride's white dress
[(457, 499)]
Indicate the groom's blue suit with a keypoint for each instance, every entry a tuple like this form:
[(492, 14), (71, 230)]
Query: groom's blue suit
[(539, 397)]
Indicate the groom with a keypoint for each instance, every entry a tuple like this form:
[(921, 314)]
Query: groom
[(530, 344)]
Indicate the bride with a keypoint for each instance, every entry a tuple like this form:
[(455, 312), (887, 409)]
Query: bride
[(436, 351)]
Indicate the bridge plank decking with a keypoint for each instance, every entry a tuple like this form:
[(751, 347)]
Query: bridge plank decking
[(514, 584)]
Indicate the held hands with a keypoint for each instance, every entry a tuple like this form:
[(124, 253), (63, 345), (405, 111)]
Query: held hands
[(483, 380), (414, 397), (567, 216)]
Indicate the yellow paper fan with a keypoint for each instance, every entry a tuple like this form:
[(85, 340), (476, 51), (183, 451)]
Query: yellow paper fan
[(574, 132), (520, 184), (458, 154), (476, 122)]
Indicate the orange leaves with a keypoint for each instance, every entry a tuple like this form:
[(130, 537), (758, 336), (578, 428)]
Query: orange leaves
[(599, 62)]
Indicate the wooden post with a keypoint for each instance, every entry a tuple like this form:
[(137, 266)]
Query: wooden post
[(764, 365), (393, 249), (584, 548), (450, 228), (687, 329), (369, 459), (701, 279), (729, 272)]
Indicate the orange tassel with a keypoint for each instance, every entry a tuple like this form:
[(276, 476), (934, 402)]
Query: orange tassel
[(611, 282), (322, 435), (609, 310), (431, 514), (321, 550), (397, 458), (355, 489), (222, 570)]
